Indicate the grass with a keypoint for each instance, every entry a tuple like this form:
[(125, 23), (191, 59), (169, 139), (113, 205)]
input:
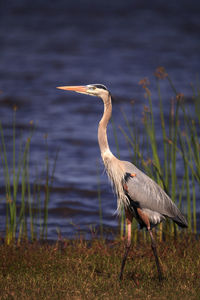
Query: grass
[(81, 270), (24, 199)]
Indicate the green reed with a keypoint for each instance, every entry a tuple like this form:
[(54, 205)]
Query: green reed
[(180, 142), (23, 205)]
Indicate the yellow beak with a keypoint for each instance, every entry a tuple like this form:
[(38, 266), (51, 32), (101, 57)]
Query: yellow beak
[(79, 89)]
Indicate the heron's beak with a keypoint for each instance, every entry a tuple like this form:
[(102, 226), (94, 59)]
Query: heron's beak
[(79, 89)]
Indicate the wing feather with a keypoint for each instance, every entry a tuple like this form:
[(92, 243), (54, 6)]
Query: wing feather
[(149, 195)]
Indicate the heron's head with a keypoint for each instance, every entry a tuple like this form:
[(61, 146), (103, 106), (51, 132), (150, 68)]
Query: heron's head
[(98, 90)]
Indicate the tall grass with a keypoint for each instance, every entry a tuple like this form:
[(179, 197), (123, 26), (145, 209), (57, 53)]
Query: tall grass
[(179, 148), (24, 209)]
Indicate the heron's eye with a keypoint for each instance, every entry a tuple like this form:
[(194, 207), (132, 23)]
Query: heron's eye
[(92, 88)]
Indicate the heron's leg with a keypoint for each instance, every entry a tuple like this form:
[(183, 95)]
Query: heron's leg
[(128, 243), (145, 219), (153, 246)]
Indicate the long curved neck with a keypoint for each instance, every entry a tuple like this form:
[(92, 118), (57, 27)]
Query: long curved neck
[(102, 130), (113, 166)]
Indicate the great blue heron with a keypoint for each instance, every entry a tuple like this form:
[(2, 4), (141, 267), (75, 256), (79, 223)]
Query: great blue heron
[(139, 195)]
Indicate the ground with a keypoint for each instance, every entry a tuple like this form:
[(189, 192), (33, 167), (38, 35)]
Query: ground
[(89, 270)]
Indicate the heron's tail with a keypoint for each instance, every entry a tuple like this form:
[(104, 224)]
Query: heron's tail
[(180, 220)]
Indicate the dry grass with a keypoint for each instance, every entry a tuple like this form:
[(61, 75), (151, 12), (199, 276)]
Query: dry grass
[(79, 270)]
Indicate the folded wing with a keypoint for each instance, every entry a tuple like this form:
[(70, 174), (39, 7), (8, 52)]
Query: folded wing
[(147, 194)]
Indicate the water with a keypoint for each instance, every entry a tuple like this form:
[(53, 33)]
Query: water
[(45, 44)]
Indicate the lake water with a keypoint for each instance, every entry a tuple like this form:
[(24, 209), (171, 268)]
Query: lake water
[(45, 44)]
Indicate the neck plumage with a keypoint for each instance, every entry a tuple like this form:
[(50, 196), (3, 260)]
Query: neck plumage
[(102, 130), (114, 167)]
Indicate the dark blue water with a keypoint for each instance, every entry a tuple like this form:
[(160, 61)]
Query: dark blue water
[(44, 44)]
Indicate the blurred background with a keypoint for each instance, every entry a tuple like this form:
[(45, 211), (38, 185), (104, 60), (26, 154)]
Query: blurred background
[(44, 44)]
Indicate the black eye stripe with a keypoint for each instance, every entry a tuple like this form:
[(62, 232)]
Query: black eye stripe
[(100, 86)]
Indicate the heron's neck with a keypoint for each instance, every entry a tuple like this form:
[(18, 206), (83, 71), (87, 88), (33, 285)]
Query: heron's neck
[(102, 130)]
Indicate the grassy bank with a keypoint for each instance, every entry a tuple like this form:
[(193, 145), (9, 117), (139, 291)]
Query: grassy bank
[(78, 270)]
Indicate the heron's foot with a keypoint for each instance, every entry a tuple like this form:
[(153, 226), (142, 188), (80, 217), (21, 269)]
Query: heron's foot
[(128, 246), (120, 277), (160, 277)]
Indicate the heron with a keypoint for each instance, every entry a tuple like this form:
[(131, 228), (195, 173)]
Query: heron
[(139, 196)]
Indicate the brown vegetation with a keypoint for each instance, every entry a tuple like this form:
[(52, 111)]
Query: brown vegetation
[(89, 270)]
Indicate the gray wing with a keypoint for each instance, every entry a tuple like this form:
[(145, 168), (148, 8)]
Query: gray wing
[(149, 195)]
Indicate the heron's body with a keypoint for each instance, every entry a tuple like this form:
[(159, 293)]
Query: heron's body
[(141, 191), (140, 196)]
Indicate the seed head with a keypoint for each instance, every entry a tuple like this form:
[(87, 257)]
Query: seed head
[(160, 73)]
